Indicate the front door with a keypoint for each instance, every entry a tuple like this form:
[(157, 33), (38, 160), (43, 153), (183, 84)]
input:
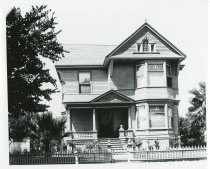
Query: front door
[(106, 123)]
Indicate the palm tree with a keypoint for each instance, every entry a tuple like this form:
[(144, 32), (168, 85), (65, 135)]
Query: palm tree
[(47, 132), (193, 126), (198, 101)]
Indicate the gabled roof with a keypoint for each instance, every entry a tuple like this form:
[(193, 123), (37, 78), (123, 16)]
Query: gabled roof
[(112, 97), (150, 28), (98, 55)]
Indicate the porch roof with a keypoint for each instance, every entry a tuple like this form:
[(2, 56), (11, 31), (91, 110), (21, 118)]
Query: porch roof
[(108, 97)]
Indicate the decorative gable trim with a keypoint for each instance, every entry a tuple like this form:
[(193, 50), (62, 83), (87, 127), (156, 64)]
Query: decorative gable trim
[(112, 97), (135, 33)]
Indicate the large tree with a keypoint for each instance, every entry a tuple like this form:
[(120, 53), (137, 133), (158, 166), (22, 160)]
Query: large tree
[(193, 126), (29, 38)]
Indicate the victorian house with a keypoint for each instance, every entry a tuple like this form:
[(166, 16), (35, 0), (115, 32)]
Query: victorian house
[(121, 92)]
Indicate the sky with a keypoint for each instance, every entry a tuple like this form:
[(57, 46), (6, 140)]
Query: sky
[(109, 22)]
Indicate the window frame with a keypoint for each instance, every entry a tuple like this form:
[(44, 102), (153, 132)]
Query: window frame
[(154, 48), (84, 84), (164, 113), (143, 75), (145, 45), (155, 70), (169, 76), (138, 47), (172, 118)]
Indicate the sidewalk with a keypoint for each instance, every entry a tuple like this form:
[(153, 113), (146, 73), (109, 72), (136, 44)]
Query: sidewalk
[(201, 164)]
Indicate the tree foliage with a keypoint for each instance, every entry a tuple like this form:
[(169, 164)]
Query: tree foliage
[(46, 132), (30, 38), (193, 126)]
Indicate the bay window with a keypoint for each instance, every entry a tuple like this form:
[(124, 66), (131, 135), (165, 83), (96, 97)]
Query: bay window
[(141, 118), (155, 74), (170, 117), (157, 116), (84, 82), (140, 76)]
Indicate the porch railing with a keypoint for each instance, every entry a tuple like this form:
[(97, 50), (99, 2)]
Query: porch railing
[(84, 134), (125, 133)]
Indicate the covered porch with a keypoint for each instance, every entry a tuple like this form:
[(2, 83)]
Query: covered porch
[(107, 116)]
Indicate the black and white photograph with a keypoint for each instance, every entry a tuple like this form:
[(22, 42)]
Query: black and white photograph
[(104, 83)]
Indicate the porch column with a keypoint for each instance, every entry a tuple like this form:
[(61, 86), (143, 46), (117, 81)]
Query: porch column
[(129, 118), (148, 115), (94, 119), (69, 125)]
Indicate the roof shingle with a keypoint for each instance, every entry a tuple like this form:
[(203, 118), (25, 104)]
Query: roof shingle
[(85, 54)]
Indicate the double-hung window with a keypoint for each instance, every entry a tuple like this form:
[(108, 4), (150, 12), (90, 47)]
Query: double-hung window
[(157, 116), (155, 74), (139, 75), (84, 82), (169, 75)]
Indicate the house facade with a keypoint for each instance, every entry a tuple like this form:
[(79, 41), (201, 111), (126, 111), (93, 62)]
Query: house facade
[(125, 91)]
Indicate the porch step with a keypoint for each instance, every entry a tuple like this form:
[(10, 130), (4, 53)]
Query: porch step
[(114, 142)]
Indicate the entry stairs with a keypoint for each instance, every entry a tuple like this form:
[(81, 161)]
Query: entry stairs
[(114, 142)]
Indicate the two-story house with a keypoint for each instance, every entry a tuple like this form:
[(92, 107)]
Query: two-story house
[(122, 91)]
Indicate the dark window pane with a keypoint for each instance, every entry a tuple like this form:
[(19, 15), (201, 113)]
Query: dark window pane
[(168, 70), (169, 81), (152, 47), (138, 47), (145, 45)]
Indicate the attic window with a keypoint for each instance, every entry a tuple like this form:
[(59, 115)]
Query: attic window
[(152, 47), (138, 47), (145, 46), (145, 43)]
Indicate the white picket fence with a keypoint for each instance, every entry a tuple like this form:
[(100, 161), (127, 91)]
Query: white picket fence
[(181, 153)]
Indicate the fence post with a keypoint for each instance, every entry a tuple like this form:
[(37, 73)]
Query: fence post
[(76, 158), (109, 146)]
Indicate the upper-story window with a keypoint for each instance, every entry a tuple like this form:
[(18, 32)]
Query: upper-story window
[(84, 82), (169, 75), (157, 116), (139, 75), (155, 74)]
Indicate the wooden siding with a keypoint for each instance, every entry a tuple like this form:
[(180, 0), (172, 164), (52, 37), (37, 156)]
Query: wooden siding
[(99, 81), (160, 46), (123, 76), (123, 79)]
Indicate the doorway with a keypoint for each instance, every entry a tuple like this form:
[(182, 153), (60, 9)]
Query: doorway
[(109, 121)]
